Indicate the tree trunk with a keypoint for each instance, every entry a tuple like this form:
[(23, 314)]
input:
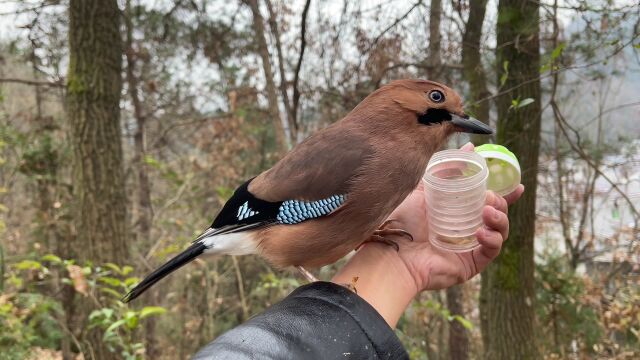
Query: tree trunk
[(143, 208), (93, 103), (458, 335), (508, 284), (473, 71), (434, 61), (272, 94)]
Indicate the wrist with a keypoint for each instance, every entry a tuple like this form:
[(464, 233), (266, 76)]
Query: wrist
[(383, 280)]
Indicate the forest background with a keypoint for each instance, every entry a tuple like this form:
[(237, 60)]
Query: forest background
[(125, 125)]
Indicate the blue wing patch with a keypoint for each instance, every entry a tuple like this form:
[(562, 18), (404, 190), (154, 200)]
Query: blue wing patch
[(245, 211), (297, 211)]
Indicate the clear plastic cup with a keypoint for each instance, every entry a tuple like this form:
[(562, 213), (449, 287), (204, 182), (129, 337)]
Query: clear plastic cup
[(455, 186)]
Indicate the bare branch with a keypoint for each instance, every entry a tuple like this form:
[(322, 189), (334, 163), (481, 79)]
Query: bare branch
[(396, 22), (296, 77), (30, 82), (563, 125), (273, 25)]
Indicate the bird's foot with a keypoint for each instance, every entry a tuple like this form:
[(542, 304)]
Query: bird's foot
[(307, 274), (380, 239), (385, 230), (398, 232)]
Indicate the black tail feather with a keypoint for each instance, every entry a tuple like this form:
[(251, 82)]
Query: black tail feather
[(170, 266)]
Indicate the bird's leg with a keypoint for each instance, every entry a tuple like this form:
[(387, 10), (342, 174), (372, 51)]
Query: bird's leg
[(381, 239), (386, 229), (307, 274), (381, 235)]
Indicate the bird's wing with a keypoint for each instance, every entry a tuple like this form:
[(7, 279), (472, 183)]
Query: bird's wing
[(324, 165), (311, 181)]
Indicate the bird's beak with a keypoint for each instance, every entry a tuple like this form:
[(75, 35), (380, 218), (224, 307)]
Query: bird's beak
[(470, 125)]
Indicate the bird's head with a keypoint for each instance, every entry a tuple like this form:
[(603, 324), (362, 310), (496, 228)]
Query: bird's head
[(428, 106)]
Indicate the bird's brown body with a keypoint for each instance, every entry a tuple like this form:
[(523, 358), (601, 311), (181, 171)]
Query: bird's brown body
[(385, 162), (332, 191)]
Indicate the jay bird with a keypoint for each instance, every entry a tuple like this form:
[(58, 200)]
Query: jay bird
[(332, 192)]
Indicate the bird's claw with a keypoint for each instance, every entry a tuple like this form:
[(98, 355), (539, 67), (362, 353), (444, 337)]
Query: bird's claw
[(399, 232), (381, 239), (381, 235)]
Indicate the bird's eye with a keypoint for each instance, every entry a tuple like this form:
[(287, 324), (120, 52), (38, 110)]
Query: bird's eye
[(436, 96)]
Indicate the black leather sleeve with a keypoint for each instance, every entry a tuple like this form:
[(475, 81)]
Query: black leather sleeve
[(317, 321)]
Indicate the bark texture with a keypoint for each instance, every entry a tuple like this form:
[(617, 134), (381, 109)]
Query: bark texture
[(434, 60), (143, 210), (272, 94), (473, 71), (94, 84), (458, 335), (508, 284)]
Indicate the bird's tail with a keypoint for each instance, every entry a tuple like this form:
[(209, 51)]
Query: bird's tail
[(193, 251)]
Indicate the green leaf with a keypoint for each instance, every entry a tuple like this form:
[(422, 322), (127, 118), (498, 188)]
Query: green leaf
[(52, 258), (112, 292), (505, 74), (151, 311), (131, 281), (126, 270), (110, 281), (113, 326), (115, 268), (28, 265), (557, 51), (152, 162), (131, 319), (637, 46), (466, 323), (524, 102)]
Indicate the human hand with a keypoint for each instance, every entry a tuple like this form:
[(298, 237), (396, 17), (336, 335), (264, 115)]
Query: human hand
[(390, 279), (432, 268)]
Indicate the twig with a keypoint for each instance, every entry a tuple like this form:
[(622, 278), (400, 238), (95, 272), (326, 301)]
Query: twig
[(273, 25), (554, 72), (166, 205), (396, 22), (32, 82), (243, 300), (562, 123), (296, 77)]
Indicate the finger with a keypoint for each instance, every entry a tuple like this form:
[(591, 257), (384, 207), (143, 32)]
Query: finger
[(514, 195), (490, 245), (496, 220), (468, 147), (496, 201)]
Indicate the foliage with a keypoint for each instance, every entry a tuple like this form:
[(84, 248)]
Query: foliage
[(30, 312), (566, 313)]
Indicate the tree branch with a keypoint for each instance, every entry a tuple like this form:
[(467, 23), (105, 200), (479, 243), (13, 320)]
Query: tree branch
[(273, 25), (59, 83), (296, 77)]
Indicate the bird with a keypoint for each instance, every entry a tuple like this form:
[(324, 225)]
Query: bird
[(333, 191)]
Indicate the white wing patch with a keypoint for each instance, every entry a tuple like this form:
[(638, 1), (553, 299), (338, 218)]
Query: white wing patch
[(245, 211)]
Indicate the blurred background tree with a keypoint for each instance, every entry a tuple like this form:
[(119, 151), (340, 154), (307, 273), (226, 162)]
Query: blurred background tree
[(124, 126)]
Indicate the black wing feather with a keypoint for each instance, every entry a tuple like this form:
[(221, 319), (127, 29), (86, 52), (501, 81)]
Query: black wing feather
[(226, 222), (167, 268), (227, 219)]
